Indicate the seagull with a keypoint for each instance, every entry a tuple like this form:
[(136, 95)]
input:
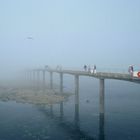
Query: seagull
[(29, 37)]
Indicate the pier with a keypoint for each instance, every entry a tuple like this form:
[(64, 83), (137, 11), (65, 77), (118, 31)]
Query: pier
[(38, 76), (35, 75)]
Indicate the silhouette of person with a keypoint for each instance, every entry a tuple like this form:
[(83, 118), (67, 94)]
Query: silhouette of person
[(94, 69), (85, 67), (131, 70)]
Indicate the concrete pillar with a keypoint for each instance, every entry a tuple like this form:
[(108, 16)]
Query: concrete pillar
[(51, 80), (27, 76), (30, 75), (33, 81), (38, 79), (44, 82), (33, 76), (61, 82), (77, 99), (101, 98), (30, 78)]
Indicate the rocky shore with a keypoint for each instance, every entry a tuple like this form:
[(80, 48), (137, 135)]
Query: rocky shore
[(32, 96)]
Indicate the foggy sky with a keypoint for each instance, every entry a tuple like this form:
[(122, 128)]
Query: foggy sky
[(70, 33)]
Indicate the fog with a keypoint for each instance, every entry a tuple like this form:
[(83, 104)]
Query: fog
[(69, 33), (69, 105)]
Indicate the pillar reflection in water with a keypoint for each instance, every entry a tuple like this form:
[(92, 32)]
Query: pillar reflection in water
[(51, 110), (61, 110), (101, 126), (101, 111), (77, 100), (61, 91)]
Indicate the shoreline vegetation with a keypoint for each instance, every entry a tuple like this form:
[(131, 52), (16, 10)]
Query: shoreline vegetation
[(32, 96)]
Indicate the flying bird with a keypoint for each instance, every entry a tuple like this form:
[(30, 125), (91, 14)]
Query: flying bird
[(29, 37)]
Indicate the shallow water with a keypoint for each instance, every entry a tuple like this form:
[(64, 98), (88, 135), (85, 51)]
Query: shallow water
[(121, 119)]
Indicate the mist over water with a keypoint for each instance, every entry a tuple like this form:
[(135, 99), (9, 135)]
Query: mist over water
[(121, 118)]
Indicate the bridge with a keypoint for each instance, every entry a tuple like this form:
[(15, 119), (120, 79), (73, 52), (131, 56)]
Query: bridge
[(37, 74)]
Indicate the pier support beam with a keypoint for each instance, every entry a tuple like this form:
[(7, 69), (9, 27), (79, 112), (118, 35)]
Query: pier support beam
[(61, 82), (77, 99), (51, 80), (101, 98), (30, 76), (44, 82), (34, 79), (38, 79)]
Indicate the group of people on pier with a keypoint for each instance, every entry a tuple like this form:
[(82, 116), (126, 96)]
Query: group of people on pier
[(90, 69), (93, 70)]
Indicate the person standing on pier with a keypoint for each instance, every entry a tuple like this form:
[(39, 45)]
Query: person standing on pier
[(85, 67), (46, 67), (94, 69), (131, 70), (89, 69)]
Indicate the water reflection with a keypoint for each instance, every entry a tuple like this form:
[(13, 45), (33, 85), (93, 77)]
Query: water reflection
[(74, 127), (61, 110), (51, 110), (101, 126), (76, 115), (76, 118)]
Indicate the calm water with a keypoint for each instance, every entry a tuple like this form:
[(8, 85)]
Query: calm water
[(121, 119)]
